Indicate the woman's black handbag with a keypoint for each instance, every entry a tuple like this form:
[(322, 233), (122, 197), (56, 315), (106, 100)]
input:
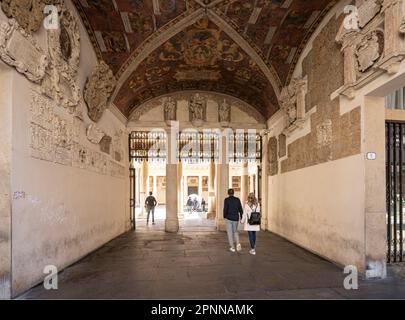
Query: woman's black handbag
[(255, 218)]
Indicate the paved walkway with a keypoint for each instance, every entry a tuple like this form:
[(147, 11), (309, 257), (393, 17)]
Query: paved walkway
[(196, 264)]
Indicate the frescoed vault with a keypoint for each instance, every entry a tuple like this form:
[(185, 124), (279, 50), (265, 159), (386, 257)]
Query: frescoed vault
[(244, 48)]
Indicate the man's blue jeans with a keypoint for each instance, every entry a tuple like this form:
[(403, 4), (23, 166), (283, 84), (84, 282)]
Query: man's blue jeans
[(152, 209)]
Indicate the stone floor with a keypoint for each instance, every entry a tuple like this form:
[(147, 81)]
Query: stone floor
[(196, 264)]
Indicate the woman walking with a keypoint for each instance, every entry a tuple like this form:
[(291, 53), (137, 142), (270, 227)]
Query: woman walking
[(252, 205)]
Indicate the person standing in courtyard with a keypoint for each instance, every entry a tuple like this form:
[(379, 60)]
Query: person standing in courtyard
[(150, 204), (232, 214), (251, 220)]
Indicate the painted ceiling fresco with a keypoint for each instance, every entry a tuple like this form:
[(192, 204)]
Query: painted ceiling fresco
[(278, 29), (118, 27), (202, 57)]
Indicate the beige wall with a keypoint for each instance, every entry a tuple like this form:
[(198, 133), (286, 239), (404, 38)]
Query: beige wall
[(336, 208), (5, 181), (63, 212)]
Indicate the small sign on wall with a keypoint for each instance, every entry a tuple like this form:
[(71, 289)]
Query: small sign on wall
[(371, 156)]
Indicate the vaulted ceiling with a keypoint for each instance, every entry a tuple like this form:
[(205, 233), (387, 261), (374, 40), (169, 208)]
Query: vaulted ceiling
[(244, 48)]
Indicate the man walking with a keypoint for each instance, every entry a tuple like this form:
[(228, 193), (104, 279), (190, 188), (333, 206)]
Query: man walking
[(232, 214), (150, 204)]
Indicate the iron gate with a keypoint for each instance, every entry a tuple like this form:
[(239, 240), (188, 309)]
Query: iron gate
[(395, 169)]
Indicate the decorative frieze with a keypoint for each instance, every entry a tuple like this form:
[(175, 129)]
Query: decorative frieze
[(19, 50), (56, 138), (98, 90)]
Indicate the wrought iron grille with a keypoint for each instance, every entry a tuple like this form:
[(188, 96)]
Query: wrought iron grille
[(245, 146), (395, 170), (198, 146), (147, 145)]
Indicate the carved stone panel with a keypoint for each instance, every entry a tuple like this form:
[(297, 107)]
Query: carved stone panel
[(402, 26), (18, 49), (282, 145), (117, 147), (170, 109), (224, 112), (94, 134), (28, 13), (272, 157), (105, 144), (369, 50), (98, 90), (324, 133), (197, 108), (64, 51)]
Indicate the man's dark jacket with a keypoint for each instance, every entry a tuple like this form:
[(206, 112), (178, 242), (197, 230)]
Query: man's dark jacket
[(233, 209)]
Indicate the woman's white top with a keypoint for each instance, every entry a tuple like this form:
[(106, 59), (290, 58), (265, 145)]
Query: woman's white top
[(247, 210)]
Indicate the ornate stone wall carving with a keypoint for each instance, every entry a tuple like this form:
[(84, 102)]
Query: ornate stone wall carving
[(105, 144), (18, 49), (186, 95), (60, 82), (98, 90), (224, 112), (292, 102), (28, 13), (369, 50), (282, 145), (170, 109), (402, 26), (117, 147), (198, 109), (94, 133), (375, 47), (57, 139), (272, 156)]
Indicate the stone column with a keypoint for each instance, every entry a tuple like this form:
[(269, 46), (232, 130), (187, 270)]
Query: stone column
[(244, 190), (180, 188), (211, 191), (5, 181), (172, 219), (375, 190), (200, 188), (264, 197), (154, 190), (145, 184), (222, 184)]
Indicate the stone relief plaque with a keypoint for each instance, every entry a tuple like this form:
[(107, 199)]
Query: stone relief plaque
[(324, 133), (18, 49), (94, 134), (369, 50), (272, 156), (105, 144), (99, 87), (64, 51)]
